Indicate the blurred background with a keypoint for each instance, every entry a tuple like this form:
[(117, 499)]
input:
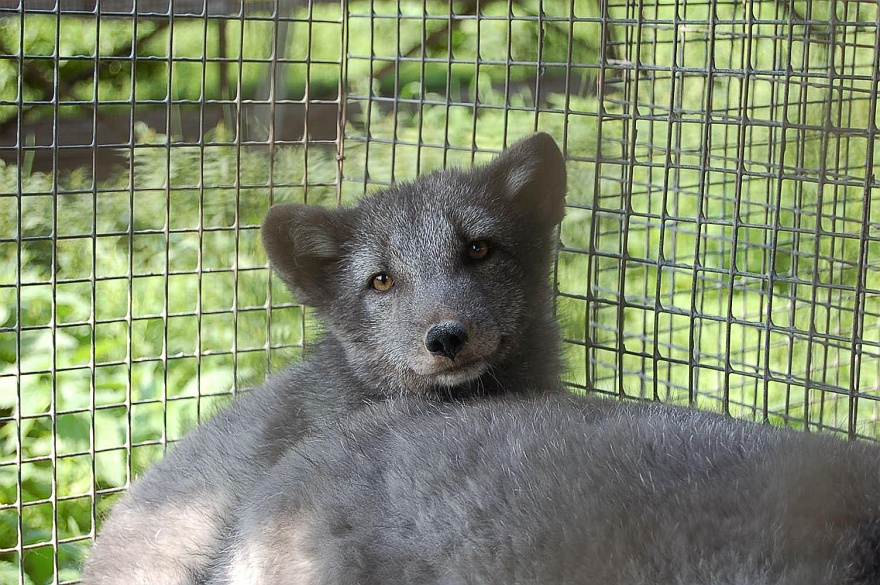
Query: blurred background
[(721, 246)]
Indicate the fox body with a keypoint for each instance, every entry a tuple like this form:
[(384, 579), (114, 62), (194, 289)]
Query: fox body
[(437, 288), (560, 490)]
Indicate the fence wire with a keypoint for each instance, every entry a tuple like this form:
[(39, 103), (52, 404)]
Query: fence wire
[(721, 247)]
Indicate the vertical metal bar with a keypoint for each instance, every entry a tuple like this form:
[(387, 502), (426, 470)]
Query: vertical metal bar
[(276, 82), (676, 180), (822, 173), (236, 185), (509, 64), (673, 124), (648, 139), (856, 349), (129, 321), (305, 138), (200, 220), (93, 289), (592, 274), (702, 187), (53, 324), (743, 107), (395, 108), (307, 96), (223, 65), (422, 91), (800, 154), (342, 97), (569, 62), (19, 159), (827, 368), (478, 50), (276, 10), (166, 229), (627, 209), (777, 225), (539, 65), (448, 93), (368, 117), (566, 116)]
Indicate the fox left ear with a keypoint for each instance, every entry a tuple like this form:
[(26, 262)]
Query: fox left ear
[(532, 172)]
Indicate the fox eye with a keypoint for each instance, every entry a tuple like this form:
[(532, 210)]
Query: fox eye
[(478, 249), (382, 282)]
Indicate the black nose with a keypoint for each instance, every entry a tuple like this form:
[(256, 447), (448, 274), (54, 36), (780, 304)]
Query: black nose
[(446, 338)]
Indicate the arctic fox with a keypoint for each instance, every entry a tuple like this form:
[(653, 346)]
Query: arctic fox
[(438, 288), (559, 490)]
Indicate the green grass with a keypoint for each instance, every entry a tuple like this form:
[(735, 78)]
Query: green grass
[(183, 309)]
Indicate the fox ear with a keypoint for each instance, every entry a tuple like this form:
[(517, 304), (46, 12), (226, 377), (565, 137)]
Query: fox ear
[(532, 172), (304, 245)]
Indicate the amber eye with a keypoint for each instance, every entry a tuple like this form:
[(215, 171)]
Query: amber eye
[(382, 282), (478, 250)]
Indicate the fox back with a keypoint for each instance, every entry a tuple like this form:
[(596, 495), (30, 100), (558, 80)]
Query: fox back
[(565, 491)]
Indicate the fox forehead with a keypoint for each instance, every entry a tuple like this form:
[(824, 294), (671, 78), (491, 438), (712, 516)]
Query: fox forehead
[(425, 225), (440, 227), (409, 221), (443, 193), (428, 242)]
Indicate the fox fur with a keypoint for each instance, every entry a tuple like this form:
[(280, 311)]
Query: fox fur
[(560, 490), (454, 324)]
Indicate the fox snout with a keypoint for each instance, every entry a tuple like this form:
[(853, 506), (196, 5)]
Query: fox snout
[(446, 339)]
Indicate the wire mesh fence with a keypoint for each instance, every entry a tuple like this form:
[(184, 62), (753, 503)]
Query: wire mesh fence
[(720, 249)]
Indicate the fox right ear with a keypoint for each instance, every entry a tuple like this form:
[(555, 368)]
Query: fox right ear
[(304, 246), (532, 172)]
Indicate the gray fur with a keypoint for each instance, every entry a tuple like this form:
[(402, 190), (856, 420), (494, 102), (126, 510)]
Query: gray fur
[(166, 528), (560, 491)]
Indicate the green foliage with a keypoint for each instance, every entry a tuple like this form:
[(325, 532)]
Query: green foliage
[(170, 62), (158, 364)]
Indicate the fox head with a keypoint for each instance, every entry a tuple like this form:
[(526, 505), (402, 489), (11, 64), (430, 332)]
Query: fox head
[(440, 285)]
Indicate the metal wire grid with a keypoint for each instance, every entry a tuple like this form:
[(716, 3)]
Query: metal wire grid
[(155, 8), (139, 301), (731, 259), (711, 255)]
